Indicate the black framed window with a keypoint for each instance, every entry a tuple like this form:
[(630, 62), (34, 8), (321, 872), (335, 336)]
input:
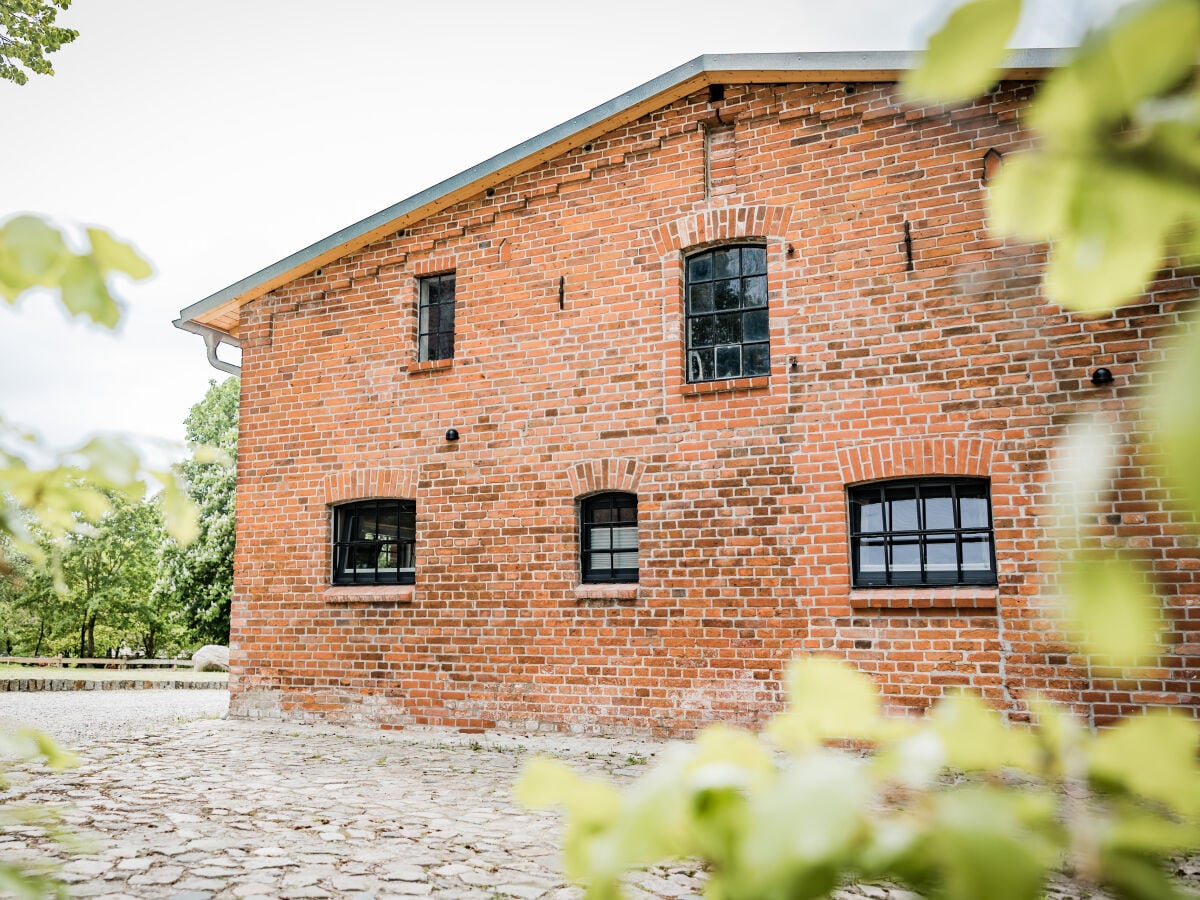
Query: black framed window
[(435, 332), (728, 328), (924, 531), (608, 538), (375, 542)]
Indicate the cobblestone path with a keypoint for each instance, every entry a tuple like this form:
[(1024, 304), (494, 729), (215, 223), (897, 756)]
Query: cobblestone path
[(219, 809)]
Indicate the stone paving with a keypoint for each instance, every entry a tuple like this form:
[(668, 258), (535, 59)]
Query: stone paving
[(220, 809)]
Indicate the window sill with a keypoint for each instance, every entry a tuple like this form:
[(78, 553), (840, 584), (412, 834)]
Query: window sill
[(965, 597), (757, 383), (606, 591), (430, 365), (369, 593)]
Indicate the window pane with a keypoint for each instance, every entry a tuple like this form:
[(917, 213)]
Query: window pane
[(939, 508), (701, 298), (423, 347), (624, 538), (626, 560), (725, 263), (902, 503), (906, 555), (700, 267), (870, 555), (729, 362), (755, 325), (868, 513), (701, 329), (973, 506), (700, 365), (941, 554), (389, 522), (601, 539), (424, 318), (725, 295), (627, 513), (600, 562), (754, 260), (977, 553), (756, 359), (754, 291), (727, 329), (446, 345), (446, 316)]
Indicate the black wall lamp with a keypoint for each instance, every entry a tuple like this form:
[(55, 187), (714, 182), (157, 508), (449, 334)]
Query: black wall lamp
[(1102, 377), (452, 434)]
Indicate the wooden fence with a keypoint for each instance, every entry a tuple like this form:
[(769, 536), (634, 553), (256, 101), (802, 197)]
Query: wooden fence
[(99, 663)]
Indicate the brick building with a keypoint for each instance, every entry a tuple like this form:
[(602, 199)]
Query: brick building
[(599, 433)]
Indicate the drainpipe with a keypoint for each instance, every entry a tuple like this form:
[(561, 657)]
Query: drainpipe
[(212, 340)]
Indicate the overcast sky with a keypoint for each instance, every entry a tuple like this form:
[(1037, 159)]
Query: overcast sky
[(220, 136)]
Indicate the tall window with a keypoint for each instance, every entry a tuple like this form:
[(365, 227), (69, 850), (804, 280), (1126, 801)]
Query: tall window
[(728, 330), (375, 542), (608, 538), (435, 338), (925, 531)]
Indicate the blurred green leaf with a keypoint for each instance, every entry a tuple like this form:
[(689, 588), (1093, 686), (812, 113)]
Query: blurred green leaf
[(1152, 755), (827, 699), (1150, 48), (180, 517), (988, 843), (1176, 416), (1111, 605), (33, 247), (85, 294), (975, 737), (964, 56), (118, 256)]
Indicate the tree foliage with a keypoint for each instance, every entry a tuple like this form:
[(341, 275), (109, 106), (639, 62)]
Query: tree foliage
[(27, 34), (198, 577), (48, 487), (964, 804)]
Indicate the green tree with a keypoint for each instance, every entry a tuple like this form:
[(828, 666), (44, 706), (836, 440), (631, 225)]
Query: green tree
[(198, 577), (27, 34), (1113, 186), (109, 568)]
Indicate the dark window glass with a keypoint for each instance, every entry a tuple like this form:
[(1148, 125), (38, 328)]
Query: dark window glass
[(435, 333), (728, 329), (608, 539), (374, 542), (927, 531)]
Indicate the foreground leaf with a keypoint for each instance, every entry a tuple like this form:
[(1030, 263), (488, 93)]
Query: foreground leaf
[(964, 56)]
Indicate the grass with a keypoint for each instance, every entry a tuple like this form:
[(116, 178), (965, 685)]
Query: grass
[(10, 672)]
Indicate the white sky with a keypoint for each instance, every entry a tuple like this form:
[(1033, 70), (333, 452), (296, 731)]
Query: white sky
[(220, 136)]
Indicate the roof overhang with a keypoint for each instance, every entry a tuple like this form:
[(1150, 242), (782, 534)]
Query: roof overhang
[(216, 317)]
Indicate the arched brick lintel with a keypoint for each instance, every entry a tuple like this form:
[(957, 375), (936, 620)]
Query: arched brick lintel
[(725, 223), (591, 476), (364, 483), (916, 457)]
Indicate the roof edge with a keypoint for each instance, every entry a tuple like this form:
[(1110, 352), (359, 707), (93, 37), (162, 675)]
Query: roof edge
[(857, 65)]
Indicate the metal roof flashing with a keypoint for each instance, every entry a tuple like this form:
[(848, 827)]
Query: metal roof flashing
[(666, 88)]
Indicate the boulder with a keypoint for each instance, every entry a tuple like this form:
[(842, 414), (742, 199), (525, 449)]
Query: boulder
[(211, 658)]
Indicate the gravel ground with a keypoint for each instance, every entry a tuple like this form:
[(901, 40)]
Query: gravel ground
[(77, 719)]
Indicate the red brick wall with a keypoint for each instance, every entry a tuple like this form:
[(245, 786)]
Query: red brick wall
[(954, 368)]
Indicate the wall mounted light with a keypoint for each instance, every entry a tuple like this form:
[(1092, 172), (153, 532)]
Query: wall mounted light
[(452, 434), (1102, 377)]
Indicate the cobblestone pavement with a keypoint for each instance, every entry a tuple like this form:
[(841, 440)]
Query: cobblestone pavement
[(218, 809)]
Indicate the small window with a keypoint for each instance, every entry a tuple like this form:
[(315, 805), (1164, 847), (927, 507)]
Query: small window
[(609, 538), (928, 531), (375, 542), (728, 328), (435, 333)]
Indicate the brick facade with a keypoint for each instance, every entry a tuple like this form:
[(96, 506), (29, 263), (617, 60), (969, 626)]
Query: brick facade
[(953, 367)]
